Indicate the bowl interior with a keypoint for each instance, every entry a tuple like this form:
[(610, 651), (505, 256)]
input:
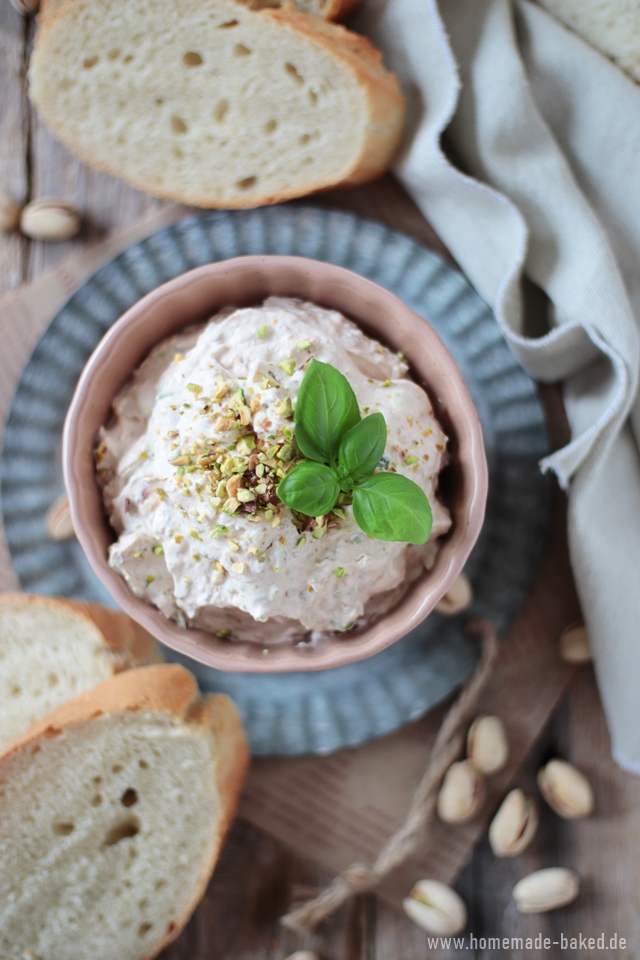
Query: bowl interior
[(193, 298)]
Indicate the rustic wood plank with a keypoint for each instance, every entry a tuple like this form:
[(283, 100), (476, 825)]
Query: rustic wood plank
[(13, 137)]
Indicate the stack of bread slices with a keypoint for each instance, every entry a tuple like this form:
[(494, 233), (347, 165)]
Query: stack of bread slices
[(113, 804), (216, 103)]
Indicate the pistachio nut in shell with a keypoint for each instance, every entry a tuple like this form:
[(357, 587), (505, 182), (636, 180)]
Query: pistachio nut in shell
[(461, 794), (436, 908), (546, 890), (58, 521), (457, 598), (50, 220), (487, 745), (566, 789), (9, 213), (574, 644), (514, 825)]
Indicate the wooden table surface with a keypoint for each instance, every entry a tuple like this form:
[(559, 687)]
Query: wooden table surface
[(254, 880)]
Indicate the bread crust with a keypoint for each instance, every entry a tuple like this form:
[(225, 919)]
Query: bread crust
[(385, 101), (332, 10), (131, 643), (170, 689)]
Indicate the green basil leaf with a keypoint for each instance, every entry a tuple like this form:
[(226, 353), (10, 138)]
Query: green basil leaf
[(389, 506), (325, 409), (310, 488), (362, 446)]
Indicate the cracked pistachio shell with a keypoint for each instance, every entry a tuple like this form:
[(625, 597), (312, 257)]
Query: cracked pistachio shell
[(50, 220), (457, 598), (546, 890), (436, 908), (574, 644), (487, 745), (461, 794), (566, 790), (514, 825)]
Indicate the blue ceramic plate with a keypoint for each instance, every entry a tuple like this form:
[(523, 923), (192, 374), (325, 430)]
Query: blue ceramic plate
[(314, 712)]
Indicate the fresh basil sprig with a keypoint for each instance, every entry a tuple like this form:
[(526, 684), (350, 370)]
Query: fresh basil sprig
[(342, 452)]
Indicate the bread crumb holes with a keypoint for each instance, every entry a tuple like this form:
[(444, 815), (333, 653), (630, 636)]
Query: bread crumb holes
[(178, 125), (122, 831), (89, 62), (63, 828), (220, 110), (192, 59), (293, 72)]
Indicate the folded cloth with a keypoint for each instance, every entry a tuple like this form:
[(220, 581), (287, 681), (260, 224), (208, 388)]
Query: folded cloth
[(546, 136)]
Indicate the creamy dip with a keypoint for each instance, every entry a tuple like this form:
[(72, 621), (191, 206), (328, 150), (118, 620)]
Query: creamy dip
[(204, 421)]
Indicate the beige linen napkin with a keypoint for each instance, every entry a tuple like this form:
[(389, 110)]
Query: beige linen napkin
[(547, 132)]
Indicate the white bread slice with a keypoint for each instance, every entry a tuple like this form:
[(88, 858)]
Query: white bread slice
[(213, 103), (52, 649), (327, 9), (612, 26), (113, 810)]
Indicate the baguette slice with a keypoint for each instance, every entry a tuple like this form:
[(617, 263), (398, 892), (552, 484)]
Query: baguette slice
[(113, 809), (52, 649), (213, 103), (611, 26), (327, 9)]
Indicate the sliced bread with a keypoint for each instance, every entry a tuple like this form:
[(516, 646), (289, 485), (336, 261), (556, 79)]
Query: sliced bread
[(113, 810), (52, 649), (612, 26), (327, 9), (213, 103)]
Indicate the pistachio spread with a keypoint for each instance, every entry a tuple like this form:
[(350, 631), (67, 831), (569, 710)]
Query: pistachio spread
[(200, 439)]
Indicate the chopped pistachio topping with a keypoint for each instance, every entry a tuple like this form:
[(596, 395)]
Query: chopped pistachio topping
[(285, 408), (239, 567), (303, 344), (262, 331), (245, 445), (159, 550), (194, 388), (410, 460), (301, 541), (288, 366), (339, 572)]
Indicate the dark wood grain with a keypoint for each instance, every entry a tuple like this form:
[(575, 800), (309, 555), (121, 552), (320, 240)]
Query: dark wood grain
[(256, 876)]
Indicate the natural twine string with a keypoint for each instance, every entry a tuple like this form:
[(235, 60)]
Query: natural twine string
[(447, 746)]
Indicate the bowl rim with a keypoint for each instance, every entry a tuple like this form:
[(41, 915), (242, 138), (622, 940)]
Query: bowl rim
[(82, 488)]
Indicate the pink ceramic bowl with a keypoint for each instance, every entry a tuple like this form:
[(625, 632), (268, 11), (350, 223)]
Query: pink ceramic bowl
[(193, 298)]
